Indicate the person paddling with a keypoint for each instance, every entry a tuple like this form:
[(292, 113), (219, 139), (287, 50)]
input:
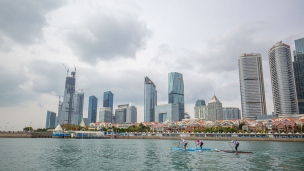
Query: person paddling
[(200, 143), (185, 143), (236, 145)]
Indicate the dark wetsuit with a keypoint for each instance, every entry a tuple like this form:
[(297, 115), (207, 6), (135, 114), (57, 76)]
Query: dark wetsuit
[(201, 143), (236, 145)]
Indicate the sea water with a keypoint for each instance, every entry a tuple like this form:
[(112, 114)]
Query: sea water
[(142, 154)]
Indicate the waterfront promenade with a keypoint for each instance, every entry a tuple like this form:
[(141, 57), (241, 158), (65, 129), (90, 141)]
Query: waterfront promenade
[(176, 136)]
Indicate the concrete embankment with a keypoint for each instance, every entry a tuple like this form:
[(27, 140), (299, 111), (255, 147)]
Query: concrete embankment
[(213, 138), (25, 135)]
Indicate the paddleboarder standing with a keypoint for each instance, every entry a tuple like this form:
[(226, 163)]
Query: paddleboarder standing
[(236, 145), (185, 143), (200, 143)]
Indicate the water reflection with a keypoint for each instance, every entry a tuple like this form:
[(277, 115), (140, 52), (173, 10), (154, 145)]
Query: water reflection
[(115, 154)]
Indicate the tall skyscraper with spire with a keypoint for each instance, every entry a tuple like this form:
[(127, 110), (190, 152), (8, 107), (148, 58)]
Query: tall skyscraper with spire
[(176, 92), (298, 66), (108, 97), (282, 80), (252, 86), (67, 110), (150, 100)]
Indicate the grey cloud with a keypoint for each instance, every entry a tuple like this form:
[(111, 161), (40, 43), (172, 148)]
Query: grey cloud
[(219, 54), (47, 77), (22, 21), (106, 37), (10, 87), (29, 82)]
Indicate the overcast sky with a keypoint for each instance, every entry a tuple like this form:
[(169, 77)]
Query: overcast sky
[(115, 44)]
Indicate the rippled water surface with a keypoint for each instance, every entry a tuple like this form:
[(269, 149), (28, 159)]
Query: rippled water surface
[(128, 154)]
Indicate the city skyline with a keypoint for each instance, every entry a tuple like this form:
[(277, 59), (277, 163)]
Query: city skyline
[(115, 44)]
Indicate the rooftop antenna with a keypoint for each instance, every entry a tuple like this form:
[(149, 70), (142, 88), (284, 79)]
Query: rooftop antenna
[(66, 69)]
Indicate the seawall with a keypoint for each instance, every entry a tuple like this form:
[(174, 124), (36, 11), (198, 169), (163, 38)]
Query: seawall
[(213, 138), (49, 135), (25, 135)]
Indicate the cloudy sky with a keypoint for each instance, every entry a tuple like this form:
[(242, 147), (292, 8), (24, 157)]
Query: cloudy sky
[(115, 44)]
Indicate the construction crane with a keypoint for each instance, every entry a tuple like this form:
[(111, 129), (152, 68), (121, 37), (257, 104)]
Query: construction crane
[(57, 96), (81, 89), (67, 69)]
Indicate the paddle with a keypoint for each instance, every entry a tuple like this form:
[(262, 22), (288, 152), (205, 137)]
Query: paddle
[(178, 144), (230, 146)]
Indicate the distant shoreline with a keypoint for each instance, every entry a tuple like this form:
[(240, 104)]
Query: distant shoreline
[(213, 138), (49, 135)]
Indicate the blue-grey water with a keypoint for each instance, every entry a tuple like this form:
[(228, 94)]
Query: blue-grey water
[(133, 154)]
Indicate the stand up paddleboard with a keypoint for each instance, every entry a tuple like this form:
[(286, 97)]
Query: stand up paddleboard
[(231, 151), (191, 149)]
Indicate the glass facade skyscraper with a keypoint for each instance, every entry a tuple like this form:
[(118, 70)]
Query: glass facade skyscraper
[(199, 107), (105, 115), (166, 112), (282, 80), (176, 92), (230, 113), (65, 116), (121, 113), (298, 66), (78, 108), (150, 100), (131, 114), (108, 100), (50, 119), (252, 86), (92, 112)]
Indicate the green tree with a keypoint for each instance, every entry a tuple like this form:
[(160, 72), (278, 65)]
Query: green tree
[(29, 129), (241, 125)]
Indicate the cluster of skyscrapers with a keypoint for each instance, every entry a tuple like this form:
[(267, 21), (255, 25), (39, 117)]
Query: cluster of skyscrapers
[(70, 110), (287, 80), (174, 110)]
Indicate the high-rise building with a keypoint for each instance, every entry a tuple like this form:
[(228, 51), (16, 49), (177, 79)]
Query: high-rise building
[(50, 119), (131, 114), (108, 97), (187, 116), (176, 92), (121, 113), (298, 66), (215, 109), (105, 114), (166, 112), (282, 80), (252, 86), (65, 116), (199, 109), (150, 100), (230, 113), (78, 108), (86, 121), (92, 112), (59, 115)]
